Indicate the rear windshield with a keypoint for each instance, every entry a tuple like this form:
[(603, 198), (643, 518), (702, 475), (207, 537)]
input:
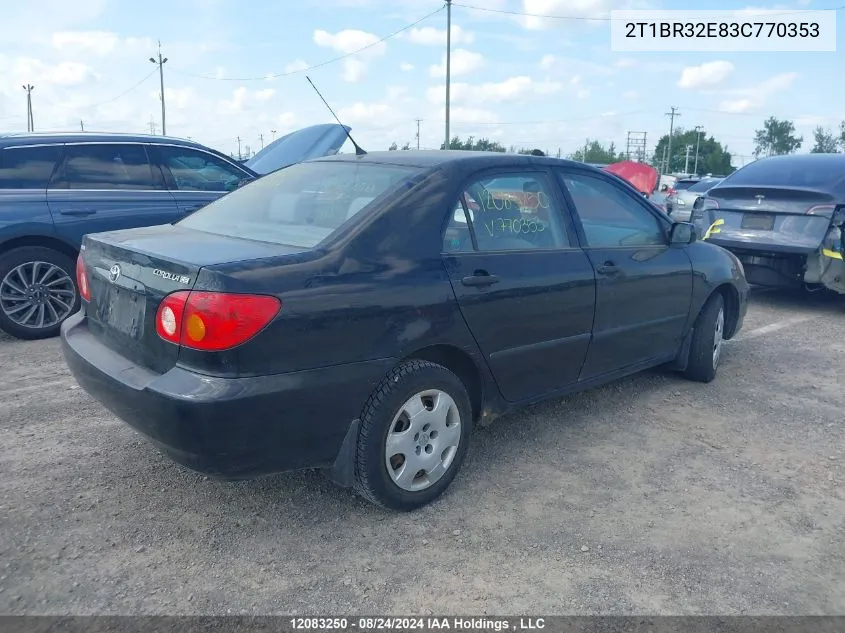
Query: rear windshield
[(300, 205), (684, 184), (703, 185), (789, 173)]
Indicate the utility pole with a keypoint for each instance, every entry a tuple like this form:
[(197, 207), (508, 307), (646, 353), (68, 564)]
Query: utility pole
[(671, 116), (152, 125), (273, 132), (30, 125), (160, 63), (698, 130), (686, 160), (448, 65), (239, 148), (81, 125), (261, 138), (418, 132), (586, 145)]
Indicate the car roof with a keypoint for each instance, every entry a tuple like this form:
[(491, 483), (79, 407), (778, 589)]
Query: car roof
[(38, 138), (467, 158)]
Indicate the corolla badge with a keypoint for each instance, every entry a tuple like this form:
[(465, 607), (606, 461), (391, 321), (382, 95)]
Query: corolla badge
[(182, 279), (114, 273)]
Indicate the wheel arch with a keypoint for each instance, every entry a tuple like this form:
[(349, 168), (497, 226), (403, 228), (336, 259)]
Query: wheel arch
[(45, 241), (730, 295), (462, 365)]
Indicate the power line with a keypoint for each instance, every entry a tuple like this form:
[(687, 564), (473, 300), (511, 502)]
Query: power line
[(122, 94), (321, 64), (611, 19)]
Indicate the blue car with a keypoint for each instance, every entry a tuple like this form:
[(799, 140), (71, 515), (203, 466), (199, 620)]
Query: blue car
[(56, 188)]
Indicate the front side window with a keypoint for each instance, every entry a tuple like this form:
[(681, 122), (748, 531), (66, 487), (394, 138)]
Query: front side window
[(27, 167), (610, 216), (300, 205), (514, 211), (194, 170), (105, 166)]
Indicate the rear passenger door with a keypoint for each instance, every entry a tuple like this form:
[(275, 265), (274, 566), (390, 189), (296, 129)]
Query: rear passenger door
[(643, 285), (196, 177), (524, 287), (25, 171), (106, 187)]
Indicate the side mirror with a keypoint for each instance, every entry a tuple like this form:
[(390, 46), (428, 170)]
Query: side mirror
[(839, 217), (682, 233)]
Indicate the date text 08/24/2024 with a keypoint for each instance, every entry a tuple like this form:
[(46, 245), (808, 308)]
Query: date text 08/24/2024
[(431, 623)]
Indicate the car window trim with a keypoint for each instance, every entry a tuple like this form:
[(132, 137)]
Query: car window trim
[(61, 163), (663, 223), (561, 213)]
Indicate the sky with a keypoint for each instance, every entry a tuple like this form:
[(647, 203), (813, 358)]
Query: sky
[(238, 70)]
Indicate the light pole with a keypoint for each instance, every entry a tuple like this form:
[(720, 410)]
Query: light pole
[(30, 125), (698, 130), (160, 62), (448, 65)]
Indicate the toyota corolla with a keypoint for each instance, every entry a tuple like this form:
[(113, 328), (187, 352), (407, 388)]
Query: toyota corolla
[(361, 314)]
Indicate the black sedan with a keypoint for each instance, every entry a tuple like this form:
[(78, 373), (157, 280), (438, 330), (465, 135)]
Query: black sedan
[(361, 314)]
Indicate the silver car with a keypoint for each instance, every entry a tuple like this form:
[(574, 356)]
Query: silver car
[(679, 204)]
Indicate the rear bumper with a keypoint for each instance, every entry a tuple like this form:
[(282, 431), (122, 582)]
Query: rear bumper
[(231, 428)]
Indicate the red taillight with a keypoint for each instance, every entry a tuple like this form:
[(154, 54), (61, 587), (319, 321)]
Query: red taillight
[(822, 209), (82, 279), (213, 321)]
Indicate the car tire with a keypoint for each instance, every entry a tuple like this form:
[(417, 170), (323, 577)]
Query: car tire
[(707, 341), (438, 401), (59, 285)]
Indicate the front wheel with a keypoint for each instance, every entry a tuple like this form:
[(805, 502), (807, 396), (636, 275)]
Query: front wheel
[(414, 434), (707, 341), (37, 291)]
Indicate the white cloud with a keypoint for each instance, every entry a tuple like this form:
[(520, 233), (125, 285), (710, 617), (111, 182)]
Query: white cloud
[(547, 62), (349, 41), (265, 95), (625, 62), (463, 63), (430, 36), (406, 67), (571, 8), (464, 116), (40, 73), (511, 89), (296, 66), (705, 75), (755, 97), (98, 42)]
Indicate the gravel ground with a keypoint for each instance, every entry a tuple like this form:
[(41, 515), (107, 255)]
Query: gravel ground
[(651, 495)]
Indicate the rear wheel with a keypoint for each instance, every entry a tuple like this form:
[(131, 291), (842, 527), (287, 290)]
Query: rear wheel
[(37, 291), (414, 434), (707, 341)]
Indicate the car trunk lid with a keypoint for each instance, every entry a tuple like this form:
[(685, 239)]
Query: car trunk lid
[(130, 272), (766, 218)]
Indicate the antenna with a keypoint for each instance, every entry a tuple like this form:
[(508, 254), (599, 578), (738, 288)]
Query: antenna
[(358, 150)]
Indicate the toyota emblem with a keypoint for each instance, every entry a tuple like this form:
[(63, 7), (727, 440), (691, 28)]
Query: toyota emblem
[(114, 273)]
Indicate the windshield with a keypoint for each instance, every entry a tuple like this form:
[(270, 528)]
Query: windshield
[(704, 185), (300, 205)]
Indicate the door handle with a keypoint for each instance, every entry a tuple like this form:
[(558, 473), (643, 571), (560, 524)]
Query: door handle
[(78, 212), (608, 268), (480, 279)]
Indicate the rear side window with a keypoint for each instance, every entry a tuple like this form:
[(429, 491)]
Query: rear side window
[(27, 167), (194, 170), (105, 166), (682, 185), (703, 185), (300, 205), (512, 212)]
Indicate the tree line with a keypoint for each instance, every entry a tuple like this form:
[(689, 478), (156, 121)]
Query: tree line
[(692, 151)]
